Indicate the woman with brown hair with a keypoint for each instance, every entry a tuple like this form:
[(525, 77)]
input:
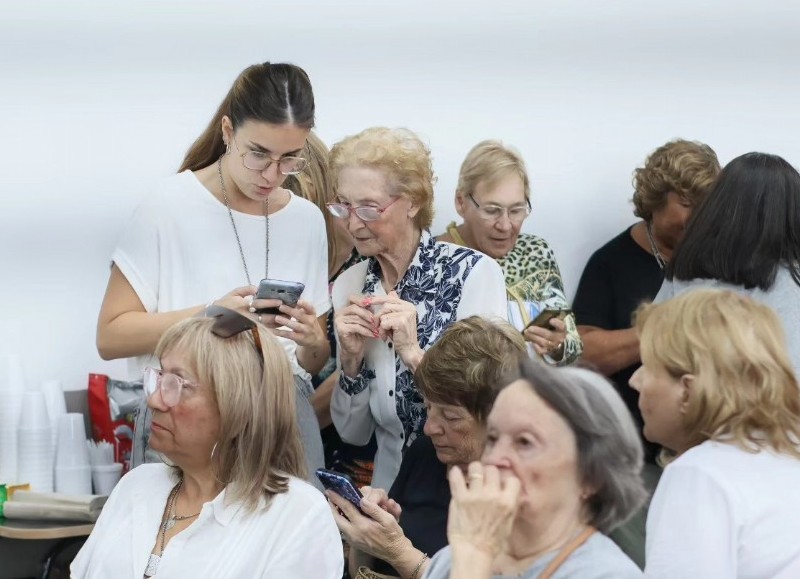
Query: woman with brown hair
[(205, 235)]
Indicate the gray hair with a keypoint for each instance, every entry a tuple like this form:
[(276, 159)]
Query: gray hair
[(610, 455)]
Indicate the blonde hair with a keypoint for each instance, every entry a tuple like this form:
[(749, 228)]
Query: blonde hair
[(314, 184), (744, 387), (401, 155), (489, 162), (259, 440)]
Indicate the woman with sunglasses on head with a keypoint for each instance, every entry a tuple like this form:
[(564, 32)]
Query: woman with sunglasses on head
[(393, 306), (493, 198), (229, 502), (207, 232)]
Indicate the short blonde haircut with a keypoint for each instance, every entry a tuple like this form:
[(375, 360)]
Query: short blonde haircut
[(259, 440), (686, 168), (744, 387), (314, 184), (488, 163), (401, 155)]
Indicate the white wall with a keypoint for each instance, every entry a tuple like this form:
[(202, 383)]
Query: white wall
[(101, 99)]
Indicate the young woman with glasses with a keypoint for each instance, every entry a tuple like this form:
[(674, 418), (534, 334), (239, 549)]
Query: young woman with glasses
[(230, 502), (493, 198), (211, 232)]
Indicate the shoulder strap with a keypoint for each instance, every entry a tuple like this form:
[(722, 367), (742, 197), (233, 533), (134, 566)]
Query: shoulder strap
[(564, 554)]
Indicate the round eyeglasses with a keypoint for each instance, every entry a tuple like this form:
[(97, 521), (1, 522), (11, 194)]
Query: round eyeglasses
[(260, 161), (516, 214), (363, 212), (170, 385)]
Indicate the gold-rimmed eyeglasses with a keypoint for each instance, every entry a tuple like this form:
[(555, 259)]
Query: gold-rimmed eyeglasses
[(261, 161)]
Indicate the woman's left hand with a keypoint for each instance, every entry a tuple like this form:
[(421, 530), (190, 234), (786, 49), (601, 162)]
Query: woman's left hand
[(398, 323), (547, 340), (375, 531), (301, 321), (482, 508)]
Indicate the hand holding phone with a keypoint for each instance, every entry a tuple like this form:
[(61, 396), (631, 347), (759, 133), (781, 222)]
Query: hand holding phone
[(288, 292), (544, 317), (341, 485)]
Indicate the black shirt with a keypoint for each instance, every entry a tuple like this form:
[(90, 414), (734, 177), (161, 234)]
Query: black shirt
[(422, 491), (617, 279)]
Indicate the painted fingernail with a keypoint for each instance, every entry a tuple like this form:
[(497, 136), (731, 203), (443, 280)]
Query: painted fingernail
[(366, 302)]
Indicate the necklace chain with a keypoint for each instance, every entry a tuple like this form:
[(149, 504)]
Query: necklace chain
[(656, 253), (154, 560), (236, 231)]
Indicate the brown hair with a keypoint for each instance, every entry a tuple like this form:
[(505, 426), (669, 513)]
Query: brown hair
[(401, 155), (465, 367), (259, 439), (744, 387), (267, 93), (314, 184), (686, 168), (489, 162)]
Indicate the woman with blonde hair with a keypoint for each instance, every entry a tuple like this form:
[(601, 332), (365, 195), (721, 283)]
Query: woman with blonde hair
[(394, 305), (231, 502), (716, 388), (493, 198)]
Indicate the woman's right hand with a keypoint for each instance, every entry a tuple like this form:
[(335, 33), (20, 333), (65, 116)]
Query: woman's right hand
[(482, 508), (354, 325), (238, 299), (373, 530)]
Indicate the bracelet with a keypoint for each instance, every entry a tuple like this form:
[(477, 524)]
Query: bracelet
[(419, 566)]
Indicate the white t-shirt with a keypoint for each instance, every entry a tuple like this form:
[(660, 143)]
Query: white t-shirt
[(295, 538), (179, 250), (720, 512)]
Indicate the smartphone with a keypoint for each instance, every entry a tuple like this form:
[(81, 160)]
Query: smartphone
[(341, 485), (277, 289), (544, 317)]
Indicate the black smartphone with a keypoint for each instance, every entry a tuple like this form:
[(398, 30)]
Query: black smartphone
[(544, 317), (277, 289), (341, 485)]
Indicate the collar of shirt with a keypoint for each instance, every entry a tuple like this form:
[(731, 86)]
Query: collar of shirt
[(419, 279)]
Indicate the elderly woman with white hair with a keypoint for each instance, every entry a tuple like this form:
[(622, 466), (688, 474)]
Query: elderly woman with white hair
[(561, 468)]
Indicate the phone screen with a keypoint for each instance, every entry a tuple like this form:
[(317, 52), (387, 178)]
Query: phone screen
[(341, 485)]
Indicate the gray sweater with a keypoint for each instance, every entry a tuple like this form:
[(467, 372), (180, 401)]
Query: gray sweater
[(597, 558), (783, 297)]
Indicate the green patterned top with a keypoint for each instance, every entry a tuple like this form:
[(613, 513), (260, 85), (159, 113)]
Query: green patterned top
[(533, 283)]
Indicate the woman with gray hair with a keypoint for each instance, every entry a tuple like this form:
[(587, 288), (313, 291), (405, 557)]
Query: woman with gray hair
[(561, 469)]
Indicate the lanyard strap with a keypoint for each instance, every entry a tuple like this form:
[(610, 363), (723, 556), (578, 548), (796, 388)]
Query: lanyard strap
[(564, 554)]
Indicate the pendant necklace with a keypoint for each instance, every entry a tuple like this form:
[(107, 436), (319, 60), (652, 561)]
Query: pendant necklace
[(656, 253), (236, 231)]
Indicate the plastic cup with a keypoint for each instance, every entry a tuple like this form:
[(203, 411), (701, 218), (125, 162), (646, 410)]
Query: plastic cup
[(74, 480), (71, 448), (14, 377), (105, 477), (34, 412)]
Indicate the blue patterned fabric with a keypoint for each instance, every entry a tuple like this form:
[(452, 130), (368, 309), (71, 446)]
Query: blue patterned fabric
[(434, 280)]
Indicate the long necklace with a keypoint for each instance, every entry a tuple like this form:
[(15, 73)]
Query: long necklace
[(656, 253), (236, 231), (154, 560)]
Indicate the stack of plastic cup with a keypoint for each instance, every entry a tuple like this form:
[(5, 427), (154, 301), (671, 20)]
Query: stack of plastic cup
[(73, 469), (56, 405), (35, 444), (12, 389)]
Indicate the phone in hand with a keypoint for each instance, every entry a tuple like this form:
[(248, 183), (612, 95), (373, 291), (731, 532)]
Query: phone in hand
[(288, 292), (341, 485), (544, 317)]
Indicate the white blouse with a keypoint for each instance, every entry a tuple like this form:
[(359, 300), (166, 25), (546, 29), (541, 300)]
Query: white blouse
[(295, 538), (446, 282)]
